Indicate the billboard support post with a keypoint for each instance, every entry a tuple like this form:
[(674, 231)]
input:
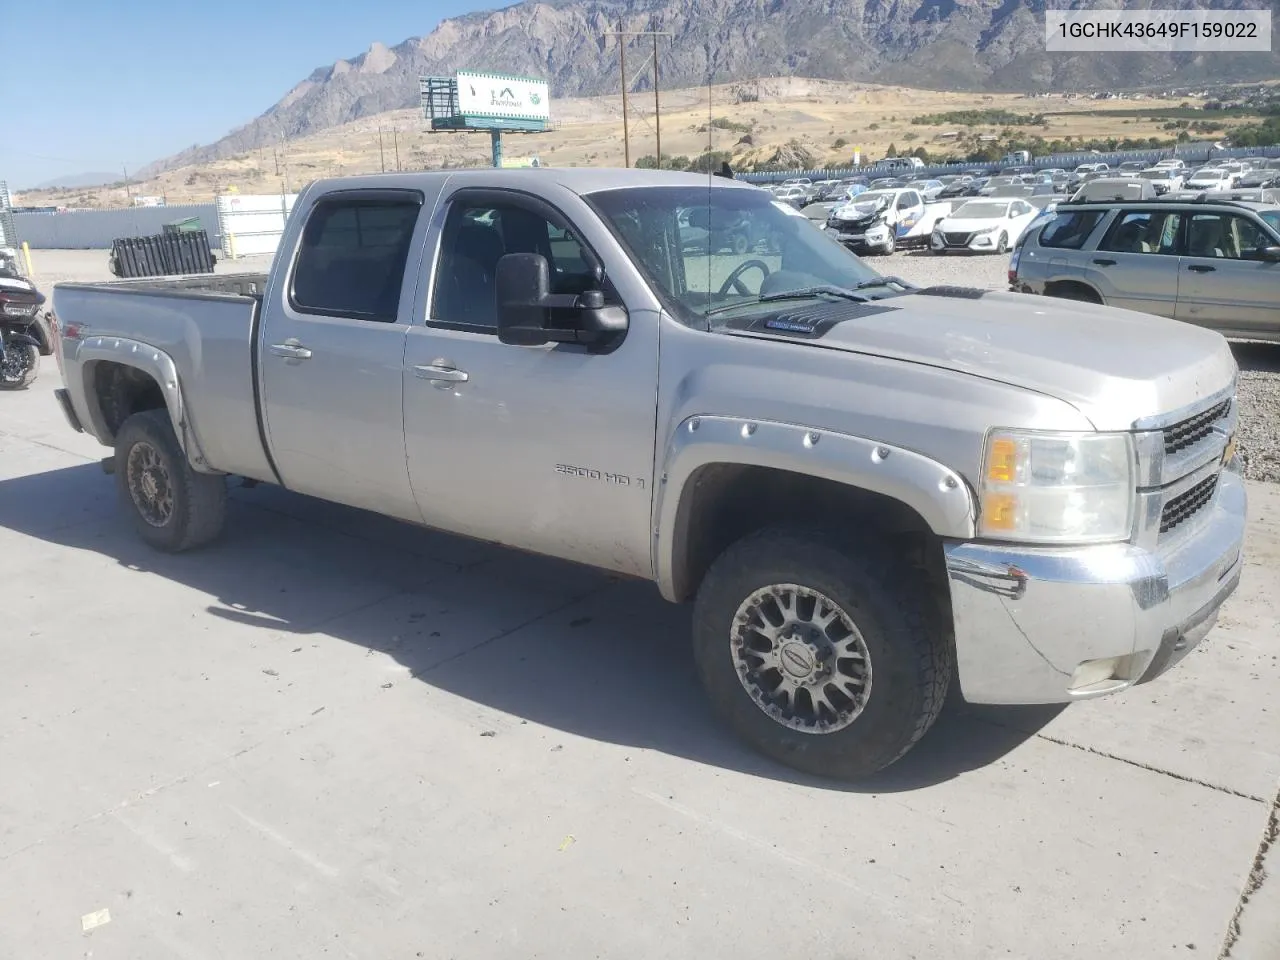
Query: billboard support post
[(495, 142)]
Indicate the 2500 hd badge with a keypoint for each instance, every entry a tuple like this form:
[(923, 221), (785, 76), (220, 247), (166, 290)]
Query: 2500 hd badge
[(589, 473)]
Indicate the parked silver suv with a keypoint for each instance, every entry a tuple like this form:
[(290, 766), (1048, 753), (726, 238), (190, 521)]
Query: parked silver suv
[(1212, 263)]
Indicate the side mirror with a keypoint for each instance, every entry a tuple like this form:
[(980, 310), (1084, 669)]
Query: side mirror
[(530, 315), (1270, 254)]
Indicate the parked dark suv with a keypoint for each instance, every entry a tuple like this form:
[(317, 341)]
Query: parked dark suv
[(1215, 263)]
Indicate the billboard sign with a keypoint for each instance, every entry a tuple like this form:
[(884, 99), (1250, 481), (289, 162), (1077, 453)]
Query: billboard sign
[(496, 95)]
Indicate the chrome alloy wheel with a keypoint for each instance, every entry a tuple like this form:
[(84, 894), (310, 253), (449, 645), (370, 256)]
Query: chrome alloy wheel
[(150, 485), (801, 658), (19, 359)]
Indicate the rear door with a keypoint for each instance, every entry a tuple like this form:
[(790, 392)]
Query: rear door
[(1223, 283), (332, 352), (1135, 264)]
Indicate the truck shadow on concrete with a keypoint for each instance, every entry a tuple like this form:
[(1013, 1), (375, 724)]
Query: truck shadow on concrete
[(542, 640)]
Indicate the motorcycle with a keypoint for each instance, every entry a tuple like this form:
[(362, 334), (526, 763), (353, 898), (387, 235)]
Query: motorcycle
[(24, 328)]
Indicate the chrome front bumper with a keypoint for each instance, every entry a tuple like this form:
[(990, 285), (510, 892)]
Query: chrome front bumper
[(1051, 626)]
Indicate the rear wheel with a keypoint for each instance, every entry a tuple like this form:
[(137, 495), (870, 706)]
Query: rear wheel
[(20, 366), (820, 655), (173, 507), (1073, 291)]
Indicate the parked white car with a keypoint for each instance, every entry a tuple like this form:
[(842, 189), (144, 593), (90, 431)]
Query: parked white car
[(1170, 163), (1210, 178), (1164, 179), (987, 225)]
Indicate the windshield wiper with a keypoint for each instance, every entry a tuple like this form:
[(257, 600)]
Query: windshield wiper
[(805, 293)]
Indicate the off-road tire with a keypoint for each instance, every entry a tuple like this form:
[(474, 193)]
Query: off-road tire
[(904, 625), (199, 500), (28, 376)]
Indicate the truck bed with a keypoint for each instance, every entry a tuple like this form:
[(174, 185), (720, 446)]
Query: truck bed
[(206, 324), (234, 284)]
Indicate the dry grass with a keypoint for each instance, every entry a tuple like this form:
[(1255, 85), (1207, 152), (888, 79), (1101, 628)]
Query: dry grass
[(815, 113)]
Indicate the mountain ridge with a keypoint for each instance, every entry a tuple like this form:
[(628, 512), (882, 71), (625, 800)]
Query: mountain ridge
[(979, 45)]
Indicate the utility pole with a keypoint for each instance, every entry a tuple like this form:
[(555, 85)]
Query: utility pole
[(395, 140), (382, 155), (284, 161), (622, 62), (621, 34), (127, 192), (657, 106)]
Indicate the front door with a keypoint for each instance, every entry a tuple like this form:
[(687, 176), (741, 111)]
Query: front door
[(332, 354), (547, 448), (1223, 282)]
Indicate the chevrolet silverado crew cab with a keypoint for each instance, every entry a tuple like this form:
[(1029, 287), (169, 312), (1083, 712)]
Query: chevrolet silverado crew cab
[(863, 487)]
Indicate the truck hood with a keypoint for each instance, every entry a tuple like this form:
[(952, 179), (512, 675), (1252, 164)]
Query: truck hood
[(1114, 366)]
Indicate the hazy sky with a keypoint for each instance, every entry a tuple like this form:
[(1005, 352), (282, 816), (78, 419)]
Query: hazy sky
[(91, 85)]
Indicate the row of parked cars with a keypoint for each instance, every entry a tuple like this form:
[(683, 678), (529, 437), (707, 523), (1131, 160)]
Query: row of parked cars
[(982, 212)]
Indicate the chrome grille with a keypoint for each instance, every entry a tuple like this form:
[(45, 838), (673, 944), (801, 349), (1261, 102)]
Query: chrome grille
[(1191, 431), (1187, 504)]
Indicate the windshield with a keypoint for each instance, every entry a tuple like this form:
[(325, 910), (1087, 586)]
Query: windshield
[(1208, 175), (1154, 175), (712, 250), (980, 210)]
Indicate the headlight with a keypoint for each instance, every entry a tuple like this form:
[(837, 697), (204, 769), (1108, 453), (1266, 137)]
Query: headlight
[(984, 231), (1057, 487)]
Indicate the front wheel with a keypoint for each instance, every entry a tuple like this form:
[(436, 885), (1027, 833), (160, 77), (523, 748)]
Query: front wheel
[(820, 655), (1002, 244), (173, 507), (20, 366), (890, 245)]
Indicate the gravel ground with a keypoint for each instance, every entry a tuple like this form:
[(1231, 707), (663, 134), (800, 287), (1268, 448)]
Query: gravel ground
[(1259, 391)]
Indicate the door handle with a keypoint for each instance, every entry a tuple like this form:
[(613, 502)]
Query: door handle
[(290, 350), (1201, 268), (1102, 262), (440, 373)]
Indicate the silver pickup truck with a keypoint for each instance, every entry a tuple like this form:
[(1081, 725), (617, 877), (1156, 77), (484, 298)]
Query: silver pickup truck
[(864, 487)]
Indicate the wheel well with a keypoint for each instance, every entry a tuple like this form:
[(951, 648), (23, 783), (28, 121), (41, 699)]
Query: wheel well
[(122, 391), (723, 502), (1072, 289)]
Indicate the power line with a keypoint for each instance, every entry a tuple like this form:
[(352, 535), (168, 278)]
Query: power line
[(620, 33)]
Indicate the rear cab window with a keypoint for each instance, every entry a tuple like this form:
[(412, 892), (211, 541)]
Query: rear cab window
[(352, 257), (1069, 229)]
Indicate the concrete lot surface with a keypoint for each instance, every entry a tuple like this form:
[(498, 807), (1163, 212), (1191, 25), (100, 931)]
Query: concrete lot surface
[(330, 734)]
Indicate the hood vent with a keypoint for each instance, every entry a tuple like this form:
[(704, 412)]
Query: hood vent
[(809, 322)]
